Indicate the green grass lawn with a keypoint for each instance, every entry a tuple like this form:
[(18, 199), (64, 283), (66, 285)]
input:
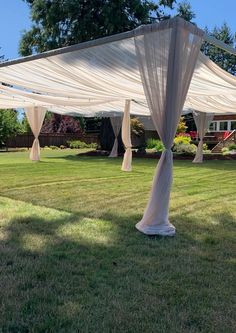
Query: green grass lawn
[(72, 260)]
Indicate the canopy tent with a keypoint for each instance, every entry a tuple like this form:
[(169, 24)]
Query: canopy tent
[(158, 67)]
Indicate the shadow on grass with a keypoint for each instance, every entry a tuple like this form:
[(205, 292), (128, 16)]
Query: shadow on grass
[(208, 164), (78, 273)]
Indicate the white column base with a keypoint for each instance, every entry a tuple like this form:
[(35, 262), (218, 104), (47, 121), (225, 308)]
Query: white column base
[(163, 230)]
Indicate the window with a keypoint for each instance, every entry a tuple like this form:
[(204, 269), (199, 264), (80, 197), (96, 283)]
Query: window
[(213, 126), (223, 126), (233, 125)]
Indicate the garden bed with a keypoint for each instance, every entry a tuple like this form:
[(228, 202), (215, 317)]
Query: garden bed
[(176, 156)]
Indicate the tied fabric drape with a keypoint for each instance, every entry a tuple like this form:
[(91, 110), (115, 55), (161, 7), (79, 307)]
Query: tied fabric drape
[(35, 117), (126, 138), (166, 57), (116, 125), (202, 121)]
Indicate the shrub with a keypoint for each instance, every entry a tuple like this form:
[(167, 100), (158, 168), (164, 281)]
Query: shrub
[(182, 139), (46, 148), (205, 147), (137, 128), (62, 147), (159, 146), (53, 147), (232, 146), (225, 151), (181, 129), (185, 148), (77, 144), (22, 149), (93, 145), (151, 143), (155, 144)]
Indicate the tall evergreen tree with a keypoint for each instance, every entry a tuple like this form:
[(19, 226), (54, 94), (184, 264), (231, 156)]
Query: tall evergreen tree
[(185, 11), (222, 58)]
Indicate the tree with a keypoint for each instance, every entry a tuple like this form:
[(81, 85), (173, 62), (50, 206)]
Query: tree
[(56, 123), (222, 58), (181, 129), (9, 125), (185, 11), (1, 57), (58, 23)]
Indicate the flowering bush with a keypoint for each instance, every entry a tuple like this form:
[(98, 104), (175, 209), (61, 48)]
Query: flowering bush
[(182, 144), (185, 148), (182, 139)]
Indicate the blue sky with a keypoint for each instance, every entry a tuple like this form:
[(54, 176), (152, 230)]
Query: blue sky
[(15, 18)]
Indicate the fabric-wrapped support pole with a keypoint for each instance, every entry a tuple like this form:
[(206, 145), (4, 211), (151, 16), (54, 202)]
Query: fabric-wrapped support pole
[(167, 57), (35, 117), (202, 121), (126, 138), (116, 125)]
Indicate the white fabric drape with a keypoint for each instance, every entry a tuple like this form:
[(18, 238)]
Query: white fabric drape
[(202, 121), (166, 58), (35, 117), (126, 138), (116, 126)]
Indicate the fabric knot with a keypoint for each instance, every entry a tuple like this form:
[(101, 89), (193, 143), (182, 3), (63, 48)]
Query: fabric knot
[(168, 150)]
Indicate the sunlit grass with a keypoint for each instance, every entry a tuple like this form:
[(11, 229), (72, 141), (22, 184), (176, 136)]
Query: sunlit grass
[(72, 261)]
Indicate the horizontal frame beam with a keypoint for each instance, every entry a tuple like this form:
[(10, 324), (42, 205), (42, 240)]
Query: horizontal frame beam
[(218, 43)]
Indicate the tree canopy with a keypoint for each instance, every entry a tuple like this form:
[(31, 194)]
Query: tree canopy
[(58, 23), (185, 11), (56, 123), (9, 125)]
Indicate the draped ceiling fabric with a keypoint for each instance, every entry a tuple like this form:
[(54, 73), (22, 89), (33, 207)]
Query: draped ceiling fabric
[(126, 138), (35, 117), (116, 126), (202, 121)]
